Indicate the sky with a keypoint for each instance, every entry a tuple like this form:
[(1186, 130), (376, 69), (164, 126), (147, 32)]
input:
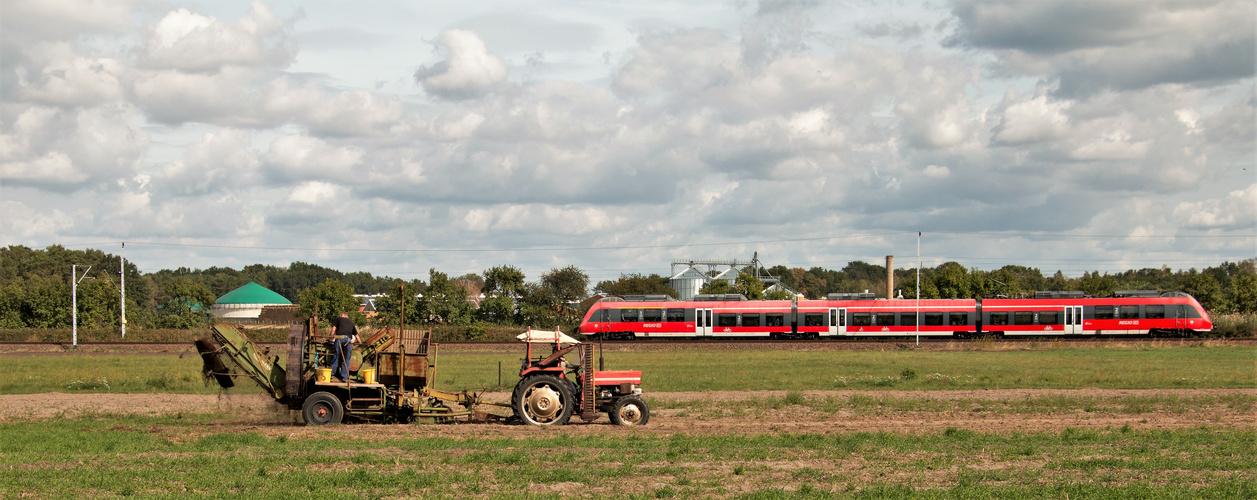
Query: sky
[(394, 137)]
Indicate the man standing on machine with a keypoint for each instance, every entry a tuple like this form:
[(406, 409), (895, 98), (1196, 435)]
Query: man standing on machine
[(346, 335)]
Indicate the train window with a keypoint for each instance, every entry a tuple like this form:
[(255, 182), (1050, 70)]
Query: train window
[(1000, 318), (750, 319), (861, 319), (1049, 318), (1023, 318), (833, 316), (676, 316), (599, 316), (1104, 312), (886, 319), (700, 323), (1130, 312), (842, 317), (775, 320), (907, 319), (958, 319), (813, 319), (652, 315), (933, 319), (630, 315), (1154, 312), (726, 320)]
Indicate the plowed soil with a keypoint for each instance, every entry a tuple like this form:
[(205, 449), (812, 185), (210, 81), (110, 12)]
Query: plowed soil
[(258, 413)]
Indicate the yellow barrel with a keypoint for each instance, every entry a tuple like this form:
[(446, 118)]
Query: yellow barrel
[(368, 375), (323, 374)]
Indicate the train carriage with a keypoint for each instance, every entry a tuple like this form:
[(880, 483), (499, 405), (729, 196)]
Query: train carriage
[(861, 315), (865, 317)]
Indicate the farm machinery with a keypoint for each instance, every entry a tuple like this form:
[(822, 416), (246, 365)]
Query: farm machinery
[(392, 374)]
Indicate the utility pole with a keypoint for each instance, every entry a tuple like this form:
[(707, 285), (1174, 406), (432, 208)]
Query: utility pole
[(918, 289), (74, 302), (122, 271)]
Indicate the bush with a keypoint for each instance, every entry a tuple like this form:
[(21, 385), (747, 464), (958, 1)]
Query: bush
[(1234, 325)]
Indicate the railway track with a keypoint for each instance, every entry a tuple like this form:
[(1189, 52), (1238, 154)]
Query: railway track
[(769, 344)]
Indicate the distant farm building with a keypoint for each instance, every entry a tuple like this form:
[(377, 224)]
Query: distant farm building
[(246, 303)]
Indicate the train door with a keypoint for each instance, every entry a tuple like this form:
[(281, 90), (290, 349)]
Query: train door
[(1073, 320), (837, 321), (1180, 317), (702, 322)]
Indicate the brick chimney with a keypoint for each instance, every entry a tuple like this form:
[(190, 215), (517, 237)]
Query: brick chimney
[(890, 276)]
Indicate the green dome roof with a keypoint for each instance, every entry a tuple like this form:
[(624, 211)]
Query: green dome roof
[(252, 293)]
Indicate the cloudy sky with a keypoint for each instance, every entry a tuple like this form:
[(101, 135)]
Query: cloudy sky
[(391, 137)]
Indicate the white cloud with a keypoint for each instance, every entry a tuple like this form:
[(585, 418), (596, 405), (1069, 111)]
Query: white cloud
[(295, 157), (223, 97), (187, 41), (28, 20), (355, 112), (1236, 211), (221, 161), (937, 171), (1036, 120), (52, 168), (68, 149), (1112, 145), (468, 70), (79, 81)]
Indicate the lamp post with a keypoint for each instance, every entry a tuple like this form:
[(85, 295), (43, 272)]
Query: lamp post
[(122, 281), (918, 289)]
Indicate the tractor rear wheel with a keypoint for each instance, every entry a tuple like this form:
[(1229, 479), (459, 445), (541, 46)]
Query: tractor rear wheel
[(543, 400), (630, 411), (322, 408)]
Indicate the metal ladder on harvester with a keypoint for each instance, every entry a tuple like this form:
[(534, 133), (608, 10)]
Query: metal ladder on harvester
[(588, 411)]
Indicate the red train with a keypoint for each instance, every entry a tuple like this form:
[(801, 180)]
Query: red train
[(1137, 312)]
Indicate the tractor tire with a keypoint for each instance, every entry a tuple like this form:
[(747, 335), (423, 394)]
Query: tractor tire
[(543, 400), (630, 411), (322, 408)]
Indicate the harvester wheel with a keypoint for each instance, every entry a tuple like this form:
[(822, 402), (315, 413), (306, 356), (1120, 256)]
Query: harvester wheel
[(629, 411), (543, 400), (322, 408)]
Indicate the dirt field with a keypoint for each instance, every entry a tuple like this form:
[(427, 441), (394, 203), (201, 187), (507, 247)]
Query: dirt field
[(259, 413)]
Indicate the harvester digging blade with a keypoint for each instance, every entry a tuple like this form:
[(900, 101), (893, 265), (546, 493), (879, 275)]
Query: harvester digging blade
[(212, 364)]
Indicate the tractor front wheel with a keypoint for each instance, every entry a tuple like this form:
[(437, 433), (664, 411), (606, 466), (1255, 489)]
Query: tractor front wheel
[(543, 400), (322, 408), (630, 411)]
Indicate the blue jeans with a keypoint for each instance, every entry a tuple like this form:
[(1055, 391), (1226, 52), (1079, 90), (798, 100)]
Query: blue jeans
[(340, 358)]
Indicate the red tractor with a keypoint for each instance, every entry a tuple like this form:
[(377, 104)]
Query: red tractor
[(546, 396)]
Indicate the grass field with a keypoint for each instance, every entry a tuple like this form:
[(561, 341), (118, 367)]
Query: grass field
[(1194, 366), (695, 447), (169, 457), (1049, 368)]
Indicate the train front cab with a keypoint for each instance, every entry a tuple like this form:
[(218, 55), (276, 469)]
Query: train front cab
[(1130, 313)]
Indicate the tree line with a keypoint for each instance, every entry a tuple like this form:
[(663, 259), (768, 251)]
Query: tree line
[(35, 289)]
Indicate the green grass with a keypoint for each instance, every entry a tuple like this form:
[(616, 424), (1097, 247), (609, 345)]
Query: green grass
[(1192, 366), (165, 456), (138, 373), (1049, 368), (891, 406)]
